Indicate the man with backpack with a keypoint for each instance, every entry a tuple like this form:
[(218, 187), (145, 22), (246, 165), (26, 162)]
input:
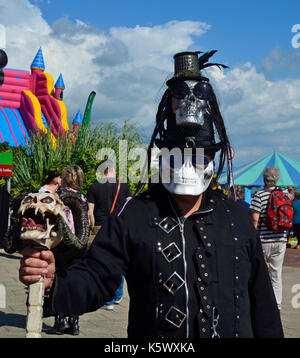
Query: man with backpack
[(272, 215)]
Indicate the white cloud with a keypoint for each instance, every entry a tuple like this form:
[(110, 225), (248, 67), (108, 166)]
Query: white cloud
[(279, 62), (152, 46), (261, 115), (128, 66)]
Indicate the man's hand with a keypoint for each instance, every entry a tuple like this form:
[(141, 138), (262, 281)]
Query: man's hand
[(35, 264)]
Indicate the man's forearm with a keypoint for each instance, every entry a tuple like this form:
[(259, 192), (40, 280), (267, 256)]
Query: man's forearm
[(92, 220), (255, 218)]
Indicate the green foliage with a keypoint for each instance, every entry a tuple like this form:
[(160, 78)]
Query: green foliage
[(32, 164)]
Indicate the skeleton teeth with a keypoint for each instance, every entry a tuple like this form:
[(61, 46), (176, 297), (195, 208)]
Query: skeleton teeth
[(36, 211)]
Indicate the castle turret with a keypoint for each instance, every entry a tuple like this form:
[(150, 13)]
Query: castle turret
[(59, 88), (38, 62), (37, 68), (77, 121)]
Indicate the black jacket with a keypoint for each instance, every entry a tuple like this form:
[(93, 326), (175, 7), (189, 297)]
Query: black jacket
[(182, 275)]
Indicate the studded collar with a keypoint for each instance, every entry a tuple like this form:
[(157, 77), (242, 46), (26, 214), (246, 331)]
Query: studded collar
[(207, 205)]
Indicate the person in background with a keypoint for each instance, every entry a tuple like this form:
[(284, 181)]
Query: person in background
[(240, 197), (296, 218), (51, 183), (273, 242), (103, 198), (101, 195), (71, 179)]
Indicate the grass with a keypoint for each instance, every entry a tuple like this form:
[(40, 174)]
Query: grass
[(31, 164)]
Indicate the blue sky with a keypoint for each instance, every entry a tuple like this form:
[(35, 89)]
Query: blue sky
[(123, 49), (241, 30)]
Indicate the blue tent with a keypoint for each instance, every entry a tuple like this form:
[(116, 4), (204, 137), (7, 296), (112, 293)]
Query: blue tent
[(250, 175)]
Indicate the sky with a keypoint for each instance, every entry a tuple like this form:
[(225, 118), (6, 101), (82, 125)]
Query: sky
[(123, 50)]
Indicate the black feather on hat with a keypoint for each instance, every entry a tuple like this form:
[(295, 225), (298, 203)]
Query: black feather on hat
[(188, 66)]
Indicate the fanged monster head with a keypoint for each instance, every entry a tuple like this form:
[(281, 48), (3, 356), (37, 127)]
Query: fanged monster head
[(39, 214)]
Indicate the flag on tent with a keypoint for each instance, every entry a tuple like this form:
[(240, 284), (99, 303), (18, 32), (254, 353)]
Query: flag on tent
[(251, 174)]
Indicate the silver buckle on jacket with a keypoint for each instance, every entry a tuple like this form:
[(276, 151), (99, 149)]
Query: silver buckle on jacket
[(171, 252), (174, 283), (168, 224), (175, 317)]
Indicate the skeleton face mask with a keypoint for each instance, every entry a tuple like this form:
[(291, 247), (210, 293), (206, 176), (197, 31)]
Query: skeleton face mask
[(190, 101), (38, 213), (186, 176)]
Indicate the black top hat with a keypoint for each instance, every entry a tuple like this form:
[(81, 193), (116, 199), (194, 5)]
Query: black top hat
[(188, 66)]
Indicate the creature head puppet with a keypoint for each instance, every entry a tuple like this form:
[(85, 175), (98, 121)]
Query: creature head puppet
[(187, 118), (39, 219), (39, 214)]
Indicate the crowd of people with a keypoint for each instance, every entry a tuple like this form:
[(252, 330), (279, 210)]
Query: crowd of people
[(101, 200)]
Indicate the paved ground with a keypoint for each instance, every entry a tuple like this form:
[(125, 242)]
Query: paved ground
[(113, 324)]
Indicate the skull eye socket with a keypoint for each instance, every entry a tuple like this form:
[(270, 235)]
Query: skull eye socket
[(179, 90), (47, 200), (28, 199), (202, 90)]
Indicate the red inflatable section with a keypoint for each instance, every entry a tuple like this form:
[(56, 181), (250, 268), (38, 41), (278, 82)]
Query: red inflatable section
[(27, 112), (49, 105)]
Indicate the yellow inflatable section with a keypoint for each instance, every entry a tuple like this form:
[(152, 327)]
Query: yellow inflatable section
[(50, 82), (63, 111)]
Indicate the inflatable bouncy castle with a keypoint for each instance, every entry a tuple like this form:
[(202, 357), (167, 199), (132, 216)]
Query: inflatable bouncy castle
[(30, 101)]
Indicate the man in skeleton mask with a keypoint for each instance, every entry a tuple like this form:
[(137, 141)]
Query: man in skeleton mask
[(192, 260)]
